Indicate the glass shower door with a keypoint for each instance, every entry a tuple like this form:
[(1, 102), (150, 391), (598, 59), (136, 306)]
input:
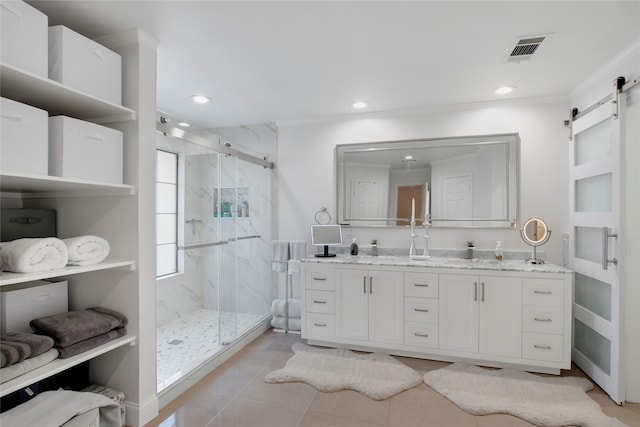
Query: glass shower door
[(597, 330)]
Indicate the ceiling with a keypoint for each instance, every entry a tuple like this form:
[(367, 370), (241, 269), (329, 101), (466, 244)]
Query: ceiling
[(288, 61)]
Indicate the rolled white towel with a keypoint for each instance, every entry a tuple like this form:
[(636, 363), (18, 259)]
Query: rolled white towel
[(31, 255), (279, 306), (86, 250), (279, 322)]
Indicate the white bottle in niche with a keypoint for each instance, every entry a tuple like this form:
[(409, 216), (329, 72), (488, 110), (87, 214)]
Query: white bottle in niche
[(499, 251)]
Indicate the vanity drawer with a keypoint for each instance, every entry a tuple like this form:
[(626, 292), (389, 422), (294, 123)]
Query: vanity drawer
[(542, 347), (423, 310), (544, 320), (423, 285), (319, 326), (320, 278), (548, 292), (421, 334), (319, 301)]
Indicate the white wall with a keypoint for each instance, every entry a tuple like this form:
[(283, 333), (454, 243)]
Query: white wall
[(306, 182)]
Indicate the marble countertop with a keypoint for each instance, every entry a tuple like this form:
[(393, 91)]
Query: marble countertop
[(442, 262)]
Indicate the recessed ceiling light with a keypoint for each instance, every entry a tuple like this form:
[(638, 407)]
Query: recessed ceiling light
[(503, 90), (184, 124), (359, 104), (201, 99), (408, 157)]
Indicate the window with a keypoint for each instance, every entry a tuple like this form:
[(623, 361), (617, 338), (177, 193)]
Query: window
[(166, 213)]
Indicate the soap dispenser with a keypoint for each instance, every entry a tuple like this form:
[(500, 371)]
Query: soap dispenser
[(499, 251), (354, 247)]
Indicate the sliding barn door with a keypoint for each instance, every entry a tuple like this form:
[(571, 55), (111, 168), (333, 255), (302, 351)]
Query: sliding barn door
[(596, 205)]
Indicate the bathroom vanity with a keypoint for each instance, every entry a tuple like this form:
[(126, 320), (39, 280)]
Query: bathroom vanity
[(487, 312)]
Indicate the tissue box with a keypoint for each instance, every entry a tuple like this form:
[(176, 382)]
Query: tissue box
[(23, 37), (23, 302), (83, 150), (23, 138), (81, 63)]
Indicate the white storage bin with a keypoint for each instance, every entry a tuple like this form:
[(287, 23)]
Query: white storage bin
[(23, 37), (83, 150), (23, 138), (81, 63), (24, 302)]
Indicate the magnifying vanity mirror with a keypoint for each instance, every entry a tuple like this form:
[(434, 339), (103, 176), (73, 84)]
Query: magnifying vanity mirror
[(469, 181), (535, 233)]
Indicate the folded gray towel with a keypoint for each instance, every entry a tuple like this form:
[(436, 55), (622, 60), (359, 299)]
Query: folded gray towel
[(74, 326), (13, 352), (38, 344), (88, 344)]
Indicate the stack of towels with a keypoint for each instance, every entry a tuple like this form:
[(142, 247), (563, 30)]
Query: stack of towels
[(23, 352), (32, 255), (75, 332), (280, 314)]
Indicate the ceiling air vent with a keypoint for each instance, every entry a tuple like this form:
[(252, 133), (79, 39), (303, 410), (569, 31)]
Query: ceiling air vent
[(525, 48)]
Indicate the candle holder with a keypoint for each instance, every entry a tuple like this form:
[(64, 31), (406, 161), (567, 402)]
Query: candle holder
[(412, 247)]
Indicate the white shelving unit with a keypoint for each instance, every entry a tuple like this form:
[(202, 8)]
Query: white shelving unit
[(121, 213)]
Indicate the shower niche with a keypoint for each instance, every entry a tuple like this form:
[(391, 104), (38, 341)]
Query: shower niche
[(231, 202)]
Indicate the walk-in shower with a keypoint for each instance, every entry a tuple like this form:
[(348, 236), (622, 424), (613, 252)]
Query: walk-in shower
[(220, 288)]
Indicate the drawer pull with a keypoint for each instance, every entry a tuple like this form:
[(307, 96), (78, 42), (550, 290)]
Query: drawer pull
[(424, 310), (319, 302), (423, 285), (542, 319), (542, 347), (542, 292), (421, 335), (319, 278), (322, 325)]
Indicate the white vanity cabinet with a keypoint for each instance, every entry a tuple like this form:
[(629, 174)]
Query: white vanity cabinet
[(369, 305), (481, 315), (493, 314)]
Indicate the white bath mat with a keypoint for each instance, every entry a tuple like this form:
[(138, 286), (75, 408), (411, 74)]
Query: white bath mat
[(375, 375), (543, 401)]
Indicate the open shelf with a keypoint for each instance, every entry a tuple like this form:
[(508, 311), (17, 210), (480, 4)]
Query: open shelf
[(46, 186), (58, 99), (8, 278), (59, 365)]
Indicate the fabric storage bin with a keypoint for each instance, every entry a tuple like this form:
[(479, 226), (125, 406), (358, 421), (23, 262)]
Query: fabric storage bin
[(23, 138), (83, 150), (23, 302), (83, 64), (115, 395), (23, 37)]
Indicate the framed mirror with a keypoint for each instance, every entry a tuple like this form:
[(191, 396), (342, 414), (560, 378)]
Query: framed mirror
[(456, 182)]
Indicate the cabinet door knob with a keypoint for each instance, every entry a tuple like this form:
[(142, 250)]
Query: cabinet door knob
[(364, 284), (424, 285), (542, 319), (475, 291), (319, 302), (319, 278), (322, 325), (424, 310), (370, 284), (421, 335), (482, 297), (542, 292)]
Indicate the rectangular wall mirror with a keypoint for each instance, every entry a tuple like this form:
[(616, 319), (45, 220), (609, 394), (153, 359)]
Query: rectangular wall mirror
[(469, 181)]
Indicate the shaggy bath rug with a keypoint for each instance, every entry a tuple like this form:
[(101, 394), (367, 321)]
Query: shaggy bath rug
[(543, 401), (375, 375)]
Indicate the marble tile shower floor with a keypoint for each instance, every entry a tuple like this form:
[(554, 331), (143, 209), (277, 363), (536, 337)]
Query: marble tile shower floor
[(235, 395), (186, 343)]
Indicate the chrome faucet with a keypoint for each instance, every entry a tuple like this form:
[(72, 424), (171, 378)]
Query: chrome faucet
[(374, 248)]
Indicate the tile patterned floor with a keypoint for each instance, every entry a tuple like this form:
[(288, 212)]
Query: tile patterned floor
[(186, 343), (235, 395)]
